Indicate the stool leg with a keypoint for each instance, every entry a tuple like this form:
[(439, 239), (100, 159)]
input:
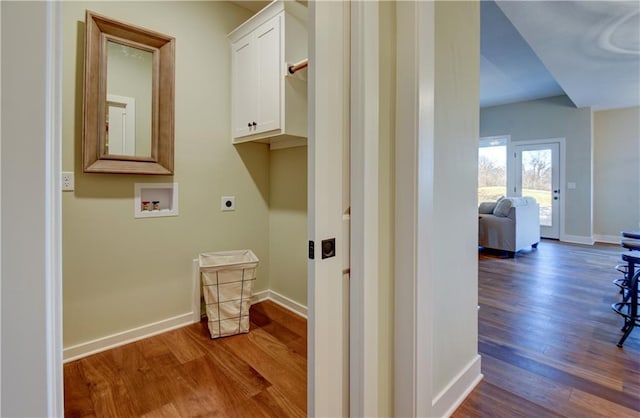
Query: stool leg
[(630, 322), (629, 326), (630, 274)]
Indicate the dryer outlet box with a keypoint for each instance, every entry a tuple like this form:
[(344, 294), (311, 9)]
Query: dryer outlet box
[(228, 203)]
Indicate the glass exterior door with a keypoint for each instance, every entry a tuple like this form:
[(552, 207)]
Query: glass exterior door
[(537, 175)]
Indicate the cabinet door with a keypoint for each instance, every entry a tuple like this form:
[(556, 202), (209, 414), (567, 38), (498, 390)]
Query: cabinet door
[(244, 86), (269, 77)]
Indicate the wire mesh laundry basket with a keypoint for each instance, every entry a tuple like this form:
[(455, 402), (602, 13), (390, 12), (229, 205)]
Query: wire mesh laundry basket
[(227, 279)]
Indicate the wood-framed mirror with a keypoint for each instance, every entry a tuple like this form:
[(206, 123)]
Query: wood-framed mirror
[(128, 109)]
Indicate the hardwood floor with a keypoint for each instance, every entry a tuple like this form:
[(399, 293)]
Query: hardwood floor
[(184, 373), (547, 336)]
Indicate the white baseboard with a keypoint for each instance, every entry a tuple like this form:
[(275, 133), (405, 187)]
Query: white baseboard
[(121, 338), (608, 239), (577, 239), (447, 401), (260, 296), (78, 351), (285, 302), (289, 304)]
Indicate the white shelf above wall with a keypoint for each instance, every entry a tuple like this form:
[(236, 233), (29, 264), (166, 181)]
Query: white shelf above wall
[(165, 194)]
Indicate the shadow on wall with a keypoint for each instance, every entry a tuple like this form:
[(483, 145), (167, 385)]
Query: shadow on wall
[(288, 178), (253, 161)]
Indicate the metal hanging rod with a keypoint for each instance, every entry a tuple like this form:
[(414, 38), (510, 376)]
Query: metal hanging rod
[(298, 66)]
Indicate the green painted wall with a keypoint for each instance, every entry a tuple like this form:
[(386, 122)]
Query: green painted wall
[(288, 223), (119, 272)]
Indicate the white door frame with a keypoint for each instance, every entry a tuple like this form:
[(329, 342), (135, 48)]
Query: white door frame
[(562, 174), (413, 389), (509, 162), (45, 233), (127, 135), (364, 281), (339, 32), (546, 231), (326, 390), (53, 240)]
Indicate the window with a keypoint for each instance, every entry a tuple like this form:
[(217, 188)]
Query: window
[(492, 168)]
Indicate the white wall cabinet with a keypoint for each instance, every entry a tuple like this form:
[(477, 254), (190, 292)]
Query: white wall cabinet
[(269, 105)]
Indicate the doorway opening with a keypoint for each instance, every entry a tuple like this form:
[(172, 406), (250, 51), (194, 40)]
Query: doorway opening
[(525, 168)]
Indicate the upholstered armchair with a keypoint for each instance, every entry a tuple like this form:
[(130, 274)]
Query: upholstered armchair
[(510, 224)]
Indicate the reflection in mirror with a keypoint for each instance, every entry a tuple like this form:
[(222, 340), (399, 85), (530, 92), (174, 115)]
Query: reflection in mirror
[(128, 108), (129, 93)]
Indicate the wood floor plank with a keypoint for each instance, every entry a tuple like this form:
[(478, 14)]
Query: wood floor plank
[(77, 395), (180, 345), (533, 387), (108, 393), (189, 398), (185, 373), (276, 313), (596, 405), (165, 411), (547, 336), (280, 367), (493, 401)]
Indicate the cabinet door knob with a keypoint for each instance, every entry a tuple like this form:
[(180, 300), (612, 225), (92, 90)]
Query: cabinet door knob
[(254, 124), (249, 124)]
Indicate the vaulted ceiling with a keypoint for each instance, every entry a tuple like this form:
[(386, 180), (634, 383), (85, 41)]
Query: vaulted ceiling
[(588, 50)]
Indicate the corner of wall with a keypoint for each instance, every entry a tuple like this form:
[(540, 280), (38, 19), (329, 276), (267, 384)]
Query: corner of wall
[(447, 401)]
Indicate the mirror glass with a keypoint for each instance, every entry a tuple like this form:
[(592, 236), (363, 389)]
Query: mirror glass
[(128, 105), (128, 108)]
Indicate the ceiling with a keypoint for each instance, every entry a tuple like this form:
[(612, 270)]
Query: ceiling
[(588, 50)]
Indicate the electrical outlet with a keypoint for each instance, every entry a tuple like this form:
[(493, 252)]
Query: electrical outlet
[(228, 203), (68, 181)]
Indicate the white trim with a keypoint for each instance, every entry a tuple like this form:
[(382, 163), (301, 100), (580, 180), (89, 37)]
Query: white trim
[(260, 296), (289, 304), (127, 143), (275, 297), (328, 111), (447, 401), (53, 210), (577, 239), (414, 170), (607, 239), (1, 214), (364, 276), (149, 330), (196, 309), (125, 337), (425, 198)]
